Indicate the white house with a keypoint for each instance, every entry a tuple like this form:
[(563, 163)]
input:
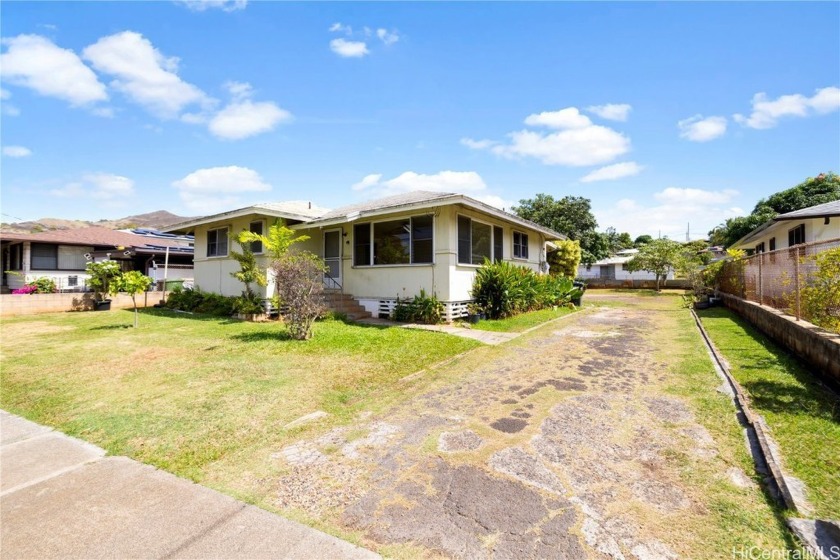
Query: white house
[(808, 225), (614, 268), (380, 250)]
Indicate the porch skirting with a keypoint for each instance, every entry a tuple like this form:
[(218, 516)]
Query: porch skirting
[(384, 307)]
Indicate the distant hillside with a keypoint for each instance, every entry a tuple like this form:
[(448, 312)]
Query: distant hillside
[(153, 220)]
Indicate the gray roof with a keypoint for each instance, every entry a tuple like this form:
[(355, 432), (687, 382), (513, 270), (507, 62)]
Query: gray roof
[(405, 199), (818, 211)]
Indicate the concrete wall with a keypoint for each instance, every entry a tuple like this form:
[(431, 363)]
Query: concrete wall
[(12, 304), (595, 283), (620, 274), (816, 347)]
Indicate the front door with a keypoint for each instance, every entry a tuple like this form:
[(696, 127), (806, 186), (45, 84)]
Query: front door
[(332, 258)]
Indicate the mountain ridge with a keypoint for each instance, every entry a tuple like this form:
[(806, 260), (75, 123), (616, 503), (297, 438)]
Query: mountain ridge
[(153, 220)]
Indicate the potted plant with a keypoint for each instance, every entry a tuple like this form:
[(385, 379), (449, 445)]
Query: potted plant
[(474, 312), (103, 275)]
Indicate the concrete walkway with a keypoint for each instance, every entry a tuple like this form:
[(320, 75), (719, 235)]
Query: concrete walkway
[(62, 498), (487, 337)]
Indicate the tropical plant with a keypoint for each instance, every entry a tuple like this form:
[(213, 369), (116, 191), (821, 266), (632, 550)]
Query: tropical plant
[(102, 275), (132, 283), (276, 243), (658, 257), (248, 305), (249, 271), (422, 309), (821, 297), (196, 301), (503, 289), (300, 286), (564, 260)]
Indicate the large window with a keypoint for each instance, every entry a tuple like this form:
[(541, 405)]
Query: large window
[(796, 235), (520, 245), (44, 256), (475, 241), (217, 242), (404, 241), (759, 248), (256, 227), (498, 246)]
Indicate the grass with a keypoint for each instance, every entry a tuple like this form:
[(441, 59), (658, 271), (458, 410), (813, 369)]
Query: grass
[(803, 415), (194, 394), (521, 322)]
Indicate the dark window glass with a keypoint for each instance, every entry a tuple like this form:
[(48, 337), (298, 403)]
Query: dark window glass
[(464, 243), (44, 257), (760, 247), (361, 244), (391, 242), (481, 242), (422, 234), (256, 227), (17, 251), (772, 243), (520, 245), (217, 242), (497, 243), (796, 235)]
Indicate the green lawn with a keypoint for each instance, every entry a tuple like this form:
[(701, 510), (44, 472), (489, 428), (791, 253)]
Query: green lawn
[(521, 322), (187, 392), (804, 416)]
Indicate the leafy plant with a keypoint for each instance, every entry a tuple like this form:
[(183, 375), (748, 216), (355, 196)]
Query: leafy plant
[(276, 243), (42, 285), (102, 275), (197, 301), (821, 297), (657, 257), (249, 270), (132, 283), (564, 260), (248, 305), (422, 309), (503, 289), (300, 286)]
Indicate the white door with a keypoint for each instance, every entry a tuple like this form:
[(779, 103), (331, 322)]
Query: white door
[(332, 258)]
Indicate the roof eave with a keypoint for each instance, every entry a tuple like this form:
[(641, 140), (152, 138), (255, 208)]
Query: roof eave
[(751, 235), (238, 213)]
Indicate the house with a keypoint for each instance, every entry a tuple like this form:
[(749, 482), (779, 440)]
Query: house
[(808, 225), (614, 268), (380, 250), (62, 255)]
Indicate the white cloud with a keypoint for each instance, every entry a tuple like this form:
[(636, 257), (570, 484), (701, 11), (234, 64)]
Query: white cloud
[(460, 182), (144, 74), (670, 213), (5, 94), (242, 117), (563, 119), (203, 5), (37, 63), (338, 27), (611, 111), (577, 143), (766, 113), (613, 172), (16, 151), (218, 188), (349, 49), (7, 108), (700, 129), (387, 37), (98, 186)]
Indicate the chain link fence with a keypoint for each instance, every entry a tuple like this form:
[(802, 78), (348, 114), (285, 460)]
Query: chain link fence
[(803, 281)]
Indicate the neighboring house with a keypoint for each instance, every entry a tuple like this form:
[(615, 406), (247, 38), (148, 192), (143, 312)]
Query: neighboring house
[(380, 250), (614, 268), (808, 225), (62, 255)]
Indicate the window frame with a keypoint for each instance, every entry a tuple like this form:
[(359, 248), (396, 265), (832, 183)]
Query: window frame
[(792, 234), (51, 246), (217, 255), (493, 228), (760, 248), (372, 241), (514, 245), (261, 232)]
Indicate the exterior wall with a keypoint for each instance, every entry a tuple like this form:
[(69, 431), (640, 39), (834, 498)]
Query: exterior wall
[(67, 254), (11, 304), (815, 230), (620, 273)]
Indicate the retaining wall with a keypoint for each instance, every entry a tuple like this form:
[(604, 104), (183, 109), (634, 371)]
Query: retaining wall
[(818, 348), (30, 304)]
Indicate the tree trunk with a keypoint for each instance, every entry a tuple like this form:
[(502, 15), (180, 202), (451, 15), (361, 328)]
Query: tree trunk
[(658, 289), (134, 301)]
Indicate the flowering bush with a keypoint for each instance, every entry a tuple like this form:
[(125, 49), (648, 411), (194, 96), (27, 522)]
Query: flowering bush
[(41, 285), (28, 289)]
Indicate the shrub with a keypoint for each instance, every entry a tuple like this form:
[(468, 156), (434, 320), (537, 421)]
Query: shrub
[(102, 275), (564, 260), (503, 289), (422, 309), (300, 285), (821, 298), (248, 305), (200, 302)]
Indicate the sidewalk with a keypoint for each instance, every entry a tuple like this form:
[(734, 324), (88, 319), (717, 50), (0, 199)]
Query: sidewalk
[(62, 498)]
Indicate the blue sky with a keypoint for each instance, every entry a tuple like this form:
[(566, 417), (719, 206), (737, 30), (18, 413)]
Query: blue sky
[(660, 113)]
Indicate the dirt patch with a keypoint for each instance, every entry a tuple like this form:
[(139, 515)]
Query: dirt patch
[(509, 425), (465, 440), (527, 468), (669, 409), (31, 329)]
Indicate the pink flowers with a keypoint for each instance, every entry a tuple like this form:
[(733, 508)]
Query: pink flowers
[(28, 289)]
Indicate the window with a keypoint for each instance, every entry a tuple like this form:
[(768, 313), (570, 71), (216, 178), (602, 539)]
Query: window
[(44, 257), (497, 244), (474, 241), (217, 242), (404, 241), (772, 243), (759, 248), (796, 235), (520, 245), (256, 227), (16, 257), (72, 257)]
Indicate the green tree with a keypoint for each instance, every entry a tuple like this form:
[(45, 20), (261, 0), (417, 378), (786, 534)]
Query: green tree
[(823, 188), (658, 257), (572, 216), (276, 243), (132, 283), (249, 271), (564, 260), (642, 240), (102, 275)]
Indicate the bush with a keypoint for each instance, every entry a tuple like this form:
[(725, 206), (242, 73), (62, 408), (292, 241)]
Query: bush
[(197, 301), (821, 298), (300, 285), (248, 305), (422, 309), (102, 275), (503, 289)]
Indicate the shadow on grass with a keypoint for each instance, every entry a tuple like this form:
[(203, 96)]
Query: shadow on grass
[(263, 336), (804, 394), (109, 327), (171, 313)]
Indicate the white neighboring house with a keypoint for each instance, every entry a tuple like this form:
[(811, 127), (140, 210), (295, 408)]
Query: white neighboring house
[(380, 250), (614, 268), (808, 225)]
